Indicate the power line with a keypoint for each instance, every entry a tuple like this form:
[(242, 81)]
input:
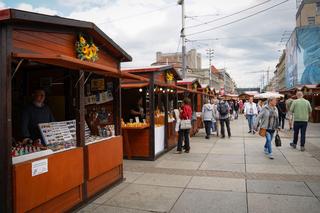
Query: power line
[(227, 16), (231, 37), (238, 20), (138, 14)]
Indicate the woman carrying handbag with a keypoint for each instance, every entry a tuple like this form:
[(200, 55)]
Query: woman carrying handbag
[(269, 123), (185, 126)]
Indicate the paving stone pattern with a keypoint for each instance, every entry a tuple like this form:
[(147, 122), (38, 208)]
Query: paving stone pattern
[(221, 175)]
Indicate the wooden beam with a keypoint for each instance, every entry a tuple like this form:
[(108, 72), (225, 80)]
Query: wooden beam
[(5, 120)]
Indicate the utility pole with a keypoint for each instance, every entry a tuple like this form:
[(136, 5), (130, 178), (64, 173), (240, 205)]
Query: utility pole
[(210, 54), (183, 38)]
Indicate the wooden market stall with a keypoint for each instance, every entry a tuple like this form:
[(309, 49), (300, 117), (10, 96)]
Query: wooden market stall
[(191, 85), (79, 154), (312, 93), (152, 135)]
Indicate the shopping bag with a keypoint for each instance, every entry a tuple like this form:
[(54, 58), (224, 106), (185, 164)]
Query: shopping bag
[(277, 140), (185, 124), (262, 132)]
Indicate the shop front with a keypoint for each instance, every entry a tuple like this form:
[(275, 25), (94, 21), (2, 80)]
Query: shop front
[(60, 132), (149, 112)]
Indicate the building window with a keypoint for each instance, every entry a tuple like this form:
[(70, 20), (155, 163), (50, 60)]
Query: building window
[(318, 9), (311, 20)]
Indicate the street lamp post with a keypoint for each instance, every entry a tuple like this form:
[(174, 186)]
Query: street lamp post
[(183, 38)]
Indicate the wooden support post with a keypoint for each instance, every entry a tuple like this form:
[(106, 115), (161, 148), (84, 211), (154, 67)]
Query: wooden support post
[(151, 113), (5, 120), (80, 123)]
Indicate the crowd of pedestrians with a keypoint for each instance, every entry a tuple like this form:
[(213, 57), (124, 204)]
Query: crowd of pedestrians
[(265, 116)]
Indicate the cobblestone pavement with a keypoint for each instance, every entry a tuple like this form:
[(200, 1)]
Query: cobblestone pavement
[(221, 175)]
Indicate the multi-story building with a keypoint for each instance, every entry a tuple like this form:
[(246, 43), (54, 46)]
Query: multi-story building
[(227, 84), (280, 73), (308, 13), (175, 59)]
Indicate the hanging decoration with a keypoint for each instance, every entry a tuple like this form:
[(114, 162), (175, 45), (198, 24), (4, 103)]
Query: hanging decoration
[(86, 50), (170, 77)]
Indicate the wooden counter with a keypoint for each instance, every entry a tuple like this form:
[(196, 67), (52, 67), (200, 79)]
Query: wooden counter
[(57, 190), (136, 142), (172, 135), (104, 165)]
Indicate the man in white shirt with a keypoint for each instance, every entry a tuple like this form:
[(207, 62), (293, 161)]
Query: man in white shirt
[(250, 111)]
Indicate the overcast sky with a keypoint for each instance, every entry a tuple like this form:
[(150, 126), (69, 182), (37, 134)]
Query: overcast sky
[(143, 27)]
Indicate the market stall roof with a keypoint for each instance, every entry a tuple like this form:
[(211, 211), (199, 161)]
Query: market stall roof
[(269, 95), (156, 68), (205, 86), (19, 16), (76, 64), (188, 81), (249, 93), (311, 86)]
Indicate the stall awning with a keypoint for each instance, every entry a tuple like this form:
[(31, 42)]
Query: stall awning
[(134, 85), (75, 64)]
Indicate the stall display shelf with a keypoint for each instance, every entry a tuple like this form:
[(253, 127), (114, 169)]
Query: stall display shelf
[(32, 156), (99, 139), (140, 127)]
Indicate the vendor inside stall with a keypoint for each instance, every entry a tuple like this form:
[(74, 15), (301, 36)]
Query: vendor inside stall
[(35, 113), (137, 111)]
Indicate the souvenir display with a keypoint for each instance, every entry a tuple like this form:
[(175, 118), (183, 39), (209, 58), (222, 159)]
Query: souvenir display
[(59, 135), (27, 146)]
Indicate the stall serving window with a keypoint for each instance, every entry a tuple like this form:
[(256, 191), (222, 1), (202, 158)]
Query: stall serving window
[(43, 110), (99, 108)]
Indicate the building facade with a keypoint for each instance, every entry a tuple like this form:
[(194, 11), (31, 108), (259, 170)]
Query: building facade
[(175, 59), (308, 13), (280, 73)]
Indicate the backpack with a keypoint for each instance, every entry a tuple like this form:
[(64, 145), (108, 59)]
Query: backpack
[(223, 109)]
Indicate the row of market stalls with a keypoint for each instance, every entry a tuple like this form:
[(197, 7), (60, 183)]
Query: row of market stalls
[(312, 94), (80, 153), (160, 98)]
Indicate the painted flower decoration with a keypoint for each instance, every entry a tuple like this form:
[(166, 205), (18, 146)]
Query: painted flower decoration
[(170, 76), (86, 50)]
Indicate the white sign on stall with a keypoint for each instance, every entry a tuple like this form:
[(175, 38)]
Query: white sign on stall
[(39, 167)]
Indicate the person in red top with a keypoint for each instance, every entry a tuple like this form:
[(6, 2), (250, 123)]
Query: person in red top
[(185, 114)]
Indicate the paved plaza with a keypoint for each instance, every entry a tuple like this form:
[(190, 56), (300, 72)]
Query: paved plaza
[(221, 175)]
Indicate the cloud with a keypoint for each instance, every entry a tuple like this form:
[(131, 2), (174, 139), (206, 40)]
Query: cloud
[(43, 10), (143, 27), (2, 5)]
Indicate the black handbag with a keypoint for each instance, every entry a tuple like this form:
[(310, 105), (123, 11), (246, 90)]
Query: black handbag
[(277, 140)]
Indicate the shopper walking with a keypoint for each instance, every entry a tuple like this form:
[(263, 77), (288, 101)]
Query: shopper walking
[(250, 111), (236, 109), (259, 106), (207, 117), (224, 109), (215, 119), (301, 110), (281, 106), (183, 134), (289, 115), (269, 122)]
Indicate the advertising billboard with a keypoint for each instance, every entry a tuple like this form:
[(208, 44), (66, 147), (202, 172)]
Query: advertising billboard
[(303, 56)]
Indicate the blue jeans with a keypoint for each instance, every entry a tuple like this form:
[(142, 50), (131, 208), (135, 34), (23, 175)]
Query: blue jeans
[(250, 122), (269, 136)]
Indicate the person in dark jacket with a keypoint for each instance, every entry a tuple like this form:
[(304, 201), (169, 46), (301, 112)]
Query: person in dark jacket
[(35, 113), (281, 106)]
